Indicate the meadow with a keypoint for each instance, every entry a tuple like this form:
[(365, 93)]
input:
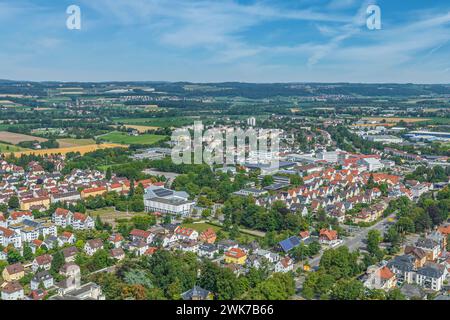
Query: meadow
[(10, 148), (158, 122), (124, 138)]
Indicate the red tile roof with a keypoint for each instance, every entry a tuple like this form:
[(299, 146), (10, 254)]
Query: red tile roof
[(235, 253), (44, 259), (385, 273), (329, 234), (140, 233)]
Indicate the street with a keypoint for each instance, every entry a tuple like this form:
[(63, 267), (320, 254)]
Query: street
[(356, 241)]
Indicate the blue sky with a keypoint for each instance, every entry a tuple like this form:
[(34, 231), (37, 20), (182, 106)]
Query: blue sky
[(226, 40)]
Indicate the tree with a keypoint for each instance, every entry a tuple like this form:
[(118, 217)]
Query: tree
[(395, 294), (13, 256), (57, 262), (27, 252), (301, 252), (143, 222), (348, 289), (314, 248), (373, 242), (405, 225), (267, 181), (13, 202), (108, 174), (98, 223), (131, 192)]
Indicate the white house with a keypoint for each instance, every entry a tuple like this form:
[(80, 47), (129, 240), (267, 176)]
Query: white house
[(92, 246), (13, 291), (284, 265)]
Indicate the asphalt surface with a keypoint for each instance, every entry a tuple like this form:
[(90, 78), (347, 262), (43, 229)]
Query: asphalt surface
[(356, 241)]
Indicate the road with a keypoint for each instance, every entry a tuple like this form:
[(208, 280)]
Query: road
[(356, 241)]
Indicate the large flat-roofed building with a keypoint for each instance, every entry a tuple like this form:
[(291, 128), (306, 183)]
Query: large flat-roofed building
[(428, 135), (159, 199), (384, 139)]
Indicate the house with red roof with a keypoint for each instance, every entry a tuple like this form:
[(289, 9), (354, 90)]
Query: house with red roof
[(285, 264), (117, 253), (208, 236), (82, 222), (141, 235), (380, 278), (329, 237), (183, 233), (92, 192), (66, 238), (18, 216), (43, 262), (116, 240)]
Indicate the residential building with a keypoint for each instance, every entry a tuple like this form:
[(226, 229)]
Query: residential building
[(235, 256), (92, 246), (13, 272), (13, 291)]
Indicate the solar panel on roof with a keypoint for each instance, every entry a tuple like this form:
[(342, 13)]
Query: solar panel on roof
[(163, 192), (286, 245), (295, 241)]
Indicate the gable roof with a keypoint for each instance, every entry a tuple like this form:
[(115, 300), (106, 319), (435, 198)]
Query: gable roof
[(15, 268), (44, 259)]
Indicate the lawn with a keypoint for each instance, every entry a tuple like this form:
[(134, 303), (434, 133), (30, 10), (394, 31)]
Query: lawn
[(200, 227), (10, 148), (110, 215), (124, 138), (158, 122)]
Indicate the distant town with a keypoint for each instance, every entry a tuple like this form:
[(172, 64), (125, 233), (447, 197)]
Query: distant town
[(94, 208)]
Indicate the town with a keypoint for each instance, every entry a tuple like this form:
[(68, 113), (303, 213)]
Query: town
[(357, 207)]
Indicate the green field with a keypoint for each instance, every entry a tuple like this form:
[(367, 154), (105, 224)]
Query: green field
[(10, 148), (124, 138), (200, 227), (158, 122)]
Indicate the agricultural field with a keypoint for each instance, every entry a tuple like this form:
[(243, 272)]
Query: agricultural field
[(68, 143), (81, 149), (396, 120), (158, 122), (124, 138), (15, 138), (10, 148), (141, 129)]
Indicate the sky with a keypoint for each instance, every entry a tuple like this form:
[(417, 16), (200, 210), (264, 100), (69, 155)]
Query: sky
[(226, 40)]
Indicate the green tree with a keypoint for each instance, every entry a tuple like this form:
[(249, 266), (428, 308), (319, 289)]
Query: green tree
[(27, 252), (57, 262), (108, 174), (348, 289), (13, 256), (13, 202), (267, 181)]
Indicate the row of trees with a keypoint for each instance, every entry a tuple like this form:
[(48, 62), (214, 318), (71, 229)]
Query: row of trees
[(166, 275), (336, 279)]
